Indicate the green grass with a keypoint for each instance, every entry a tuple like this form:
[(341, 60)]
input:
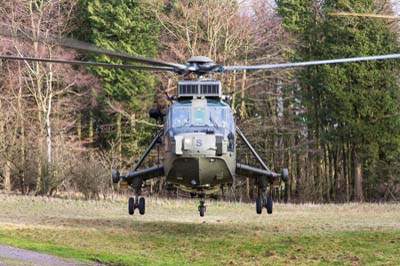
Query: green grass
[(171, 233)]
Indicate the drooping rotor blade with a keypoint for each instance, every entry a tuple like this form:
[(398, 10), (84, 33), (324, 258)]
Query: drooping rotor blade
[(26, 34), (365, 15), (86, 63), (312, 63), (87, 47)]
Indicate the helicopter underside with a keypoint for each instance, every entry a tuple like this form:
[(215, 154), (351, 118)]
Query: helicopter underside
[(202, 175)]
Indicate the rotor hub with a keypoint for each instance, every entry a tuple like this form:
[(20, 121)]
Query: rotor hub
[(200, 60), (201, 65)]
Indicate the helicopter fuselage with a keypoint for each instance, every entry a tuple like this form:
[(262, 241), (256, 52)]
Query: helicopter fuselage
[(199, 140)]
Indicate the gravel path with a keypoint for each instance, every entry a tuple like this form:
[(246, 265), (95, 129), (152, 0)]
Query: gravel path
[(11, 256)]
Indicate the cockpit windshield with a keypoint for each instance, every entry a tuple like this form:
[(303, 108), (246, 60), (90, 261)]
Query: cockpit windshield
[(181, 117), (214, 114), (199, 117), (217, 116)]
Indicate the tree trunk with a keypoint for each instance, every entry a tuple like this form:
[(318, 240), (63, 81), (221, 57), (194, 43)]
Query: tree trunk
[(79, 127), (243, 111), (48, 121), (6, 169), (91, 120), (119, 137), (233, 91), (318, 169), (327, 167), (318, 151), (22, 139), (135, 145), (7, 176), (248, 188), (290, 185), (38, 180), (358, 178), (91, 132), (332, 172), (38, 94), (350, 171), (345, 173)]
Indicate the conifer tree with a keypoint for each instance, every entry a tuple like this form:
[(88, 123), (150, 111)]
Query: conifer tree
[(351, 107), (129, 26)]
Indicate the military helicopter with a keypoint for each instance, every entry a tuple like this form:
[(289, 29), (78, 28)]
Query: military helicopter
[(199, 134)]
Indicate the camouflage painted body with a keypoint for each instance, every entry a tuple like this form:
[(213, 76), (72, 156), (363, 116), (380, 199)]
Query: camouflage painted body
[(200, 158), (199, 140)]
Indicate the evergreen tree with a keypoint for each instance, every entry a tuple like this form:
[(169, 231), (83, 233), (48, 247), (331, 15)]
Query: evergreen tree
[(129, 26), (352, 105)]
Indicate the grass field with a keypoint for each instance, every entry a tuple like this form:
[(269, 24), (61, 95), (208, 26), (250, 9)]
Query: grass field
[(172, 233)]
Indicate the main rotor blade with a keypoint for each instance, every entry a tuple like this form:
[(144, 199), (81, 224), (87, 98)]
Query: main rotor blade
[(26, 34), (87, 47), (365, 15), (312, 63), (84, 63)]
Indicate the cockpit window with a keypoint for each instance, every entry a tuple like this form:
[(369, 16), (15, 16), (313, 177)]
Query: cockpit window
[(217, 116), (199, 116), (181, 117), (214, 114)]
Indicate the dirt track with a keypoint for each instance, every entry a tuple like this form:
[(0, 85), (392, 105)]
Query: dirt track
[(11, 256)]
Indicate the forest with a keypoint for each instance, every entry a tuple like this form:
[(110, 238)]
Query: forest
[(335, 127)]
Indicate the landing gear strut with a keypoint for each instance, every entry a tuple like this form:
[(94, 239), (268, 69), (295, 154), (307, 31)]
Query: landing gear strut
[(137, 203), (264, 200), (202, 207)]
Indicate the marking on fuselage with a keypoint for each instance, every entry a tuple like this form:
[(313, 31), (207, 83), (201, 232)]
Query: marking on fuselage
[(199, 143)]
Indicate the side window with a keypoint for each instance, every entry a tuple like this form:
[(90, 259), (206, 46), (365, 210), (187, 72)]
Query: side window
[(231, 122)]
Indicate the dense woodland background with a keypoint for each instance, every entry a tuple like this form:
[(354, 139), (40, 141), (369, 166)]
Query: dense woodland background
[(336, 127)]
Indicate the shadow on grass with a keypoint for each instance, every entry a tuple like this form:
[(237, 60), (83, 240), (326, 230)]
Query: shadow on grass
[(177, 229)]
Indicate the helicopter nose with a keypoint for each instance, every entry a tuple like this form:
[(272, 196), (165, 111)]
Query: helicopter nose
[(209, 145)]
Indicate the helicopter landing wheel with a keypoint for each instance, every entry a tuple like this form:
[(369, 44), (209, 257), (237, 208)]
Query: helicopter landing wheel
[(136, 203), (259, 205), (131, 206), (269, 205), (202, 208), (141, 206)]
